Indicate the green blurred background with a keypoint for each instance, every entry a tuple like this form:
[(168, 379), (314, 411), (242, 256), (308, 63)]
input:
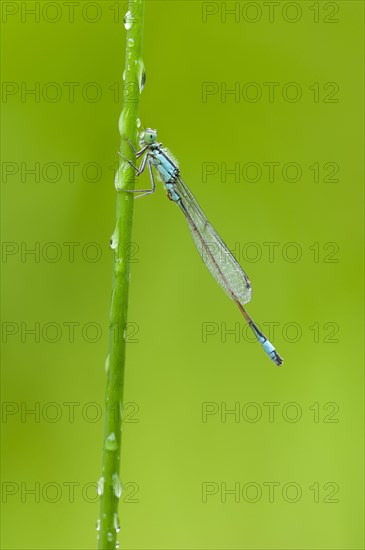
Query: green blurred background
[(301, 425)]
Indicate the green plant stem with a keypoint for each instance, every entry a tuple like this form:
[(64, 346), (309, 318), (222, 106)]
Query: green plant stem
[(109, 484)]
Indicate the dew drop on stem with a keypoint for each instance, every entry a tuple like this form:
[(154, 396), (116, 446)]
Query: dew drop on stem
[(141, 74), (111, 442), (128, 21), (100, 486), (116, 522), (117, 486)]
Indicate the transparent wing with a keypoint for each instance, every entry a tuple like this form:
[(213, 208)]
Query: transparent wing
[(215, 254)]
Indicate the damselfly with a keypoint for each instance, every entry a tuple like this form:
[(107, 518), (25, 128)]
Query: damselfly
[(215, 254)]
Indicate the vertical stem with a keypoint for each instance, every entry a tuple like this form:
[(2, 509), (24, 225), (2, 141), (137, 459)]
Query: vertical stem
[(109, 485)]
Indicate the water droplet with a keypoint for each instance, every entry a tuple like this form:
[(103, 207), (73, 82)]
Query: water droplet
[(138, 123), (98, 525), (122, 120), (117, 181), (123, 76), (141, 74), (107, 363), (117, 545), (100, 486), (130, 42), (111, 442), (114, 240), (117, 486), (128, 20), (109, 536), (116, 522)]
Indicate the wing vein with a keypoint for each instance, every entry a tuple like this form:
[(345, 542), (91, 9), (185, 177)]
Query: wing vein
[(212, 249)]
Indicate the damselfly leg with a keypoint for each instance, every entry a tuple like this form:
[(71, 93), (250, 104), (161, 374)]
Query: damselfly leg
[(139, 171)]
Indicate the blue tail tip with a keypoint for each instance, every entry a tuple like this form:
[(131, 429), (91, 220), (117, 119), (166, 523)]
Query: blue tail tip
[(278, 360)]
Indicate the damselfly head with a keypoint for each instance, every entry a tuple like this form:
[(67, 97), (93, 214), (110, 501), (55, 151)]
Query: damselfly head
[(148, 136)]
